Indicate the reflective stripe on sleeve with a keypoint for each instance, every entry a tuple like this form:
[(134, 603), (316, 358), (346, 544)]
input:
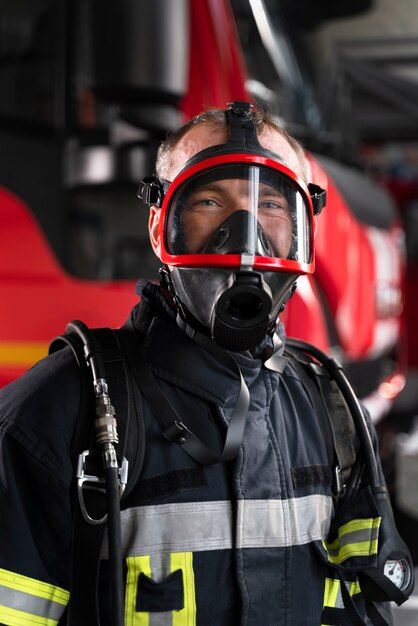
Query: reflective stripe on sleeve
[(355, 538), (332, 595), (203, 526), (334, 611), (25, 601)]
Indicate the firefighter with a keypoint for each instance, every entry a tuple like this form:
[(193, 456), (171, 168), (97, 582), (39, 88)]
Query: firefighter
[(231, 520)]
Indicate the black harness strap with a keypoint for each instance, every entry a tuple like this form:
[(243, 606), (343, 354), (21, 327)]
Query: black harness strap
[(84, 426), (174, 430), (300, 364), (343, 429), (352, 613), (335, 418), (127, 400), (87, 539)]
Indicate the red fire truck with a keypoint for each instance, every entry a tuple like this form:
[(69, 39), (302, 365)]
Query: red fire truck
[(88, 89)]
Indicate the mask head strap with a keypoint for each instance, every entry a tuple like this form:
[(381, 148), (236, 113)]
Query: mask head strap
[(152, 190), (242, 139), (242, 130), (318, 197)]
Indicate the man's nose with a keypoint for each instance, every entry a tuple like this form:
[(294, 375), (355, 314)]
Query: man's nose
[(243, 205)]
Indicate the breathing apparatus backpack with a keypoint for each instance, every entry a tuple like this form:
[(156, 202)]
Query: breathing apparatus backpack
[(108, 451)]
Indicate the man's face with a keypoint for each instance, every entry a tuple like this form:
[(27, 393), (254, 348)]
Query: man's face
[(209, 205)]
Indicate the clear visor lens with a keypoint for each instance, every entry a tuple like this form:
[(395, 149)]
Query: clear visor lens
[(236, 209)]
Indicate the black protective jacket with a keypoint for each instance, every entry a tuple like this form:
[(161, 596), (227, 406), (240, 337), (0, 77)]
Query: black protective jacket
[(242, 543)]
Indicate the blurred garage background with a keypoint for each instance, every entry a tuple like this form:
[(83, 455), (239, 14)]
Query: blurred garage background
[(88, 88)]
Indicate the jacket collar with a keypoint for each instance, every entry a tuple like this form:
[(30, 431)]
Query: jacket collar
[(176, 358)]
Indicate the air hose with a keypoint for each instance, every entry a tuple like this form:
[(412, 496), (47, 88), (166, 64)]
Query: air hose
[(106, 436)]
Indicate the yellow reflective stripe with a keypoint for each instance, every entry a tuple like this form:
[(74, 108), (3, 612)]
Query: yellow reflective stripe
[(143, 564), (365, 548), (34, 587), (184, 561), (355, 525), (332, 586), (364, 535), (22, 353), (12, 617), (136, 566), (332, 595), (25, 601)]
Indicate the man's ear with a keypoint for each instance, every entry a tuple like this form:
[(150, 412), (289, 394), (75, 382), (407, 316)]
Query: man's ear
[(153, 228)]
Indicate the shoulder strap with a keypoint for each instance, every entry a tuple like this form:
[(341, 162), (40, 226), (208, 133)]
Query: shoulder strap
[(83, 428), (87, 539), (341, 420), (126, 399), (334, 416), (173, 429), (125, 396)]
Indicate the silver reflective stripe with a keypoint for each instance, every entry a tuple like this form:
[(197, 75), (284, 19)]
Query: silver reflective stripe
[(28, 603), (160, 569), (180, 527), (160, 618), (281, 523), (339, 603), (201, 526)]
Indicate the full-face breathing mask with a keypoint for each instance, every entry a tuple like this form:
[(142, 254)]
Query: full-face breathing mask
[(236, 230)]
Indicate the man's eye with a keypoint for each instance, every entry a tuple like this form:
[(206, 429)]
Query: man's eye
[(273, 205), (196, 203), (208, 202)]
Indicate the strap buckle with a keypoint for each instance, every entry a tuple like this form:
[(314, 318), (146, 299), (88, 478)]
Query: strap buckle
[(240, 108), (176, 432), (151, 191), (339, 485), (93, 482), (318, 197)]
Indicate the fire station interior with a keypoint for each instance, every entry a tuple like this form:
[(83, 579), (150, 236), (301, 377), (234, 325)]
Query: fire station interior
[(88, 89)]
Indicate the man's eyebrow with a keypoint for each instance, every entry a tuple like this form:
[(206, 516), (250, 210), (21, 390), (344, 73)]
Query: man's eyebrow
[(266, 190), (209, 187), (263, 189)]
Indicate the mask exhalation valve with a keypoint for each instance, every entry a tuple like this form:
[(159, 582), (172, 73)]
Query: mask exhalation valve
[(240, 317)]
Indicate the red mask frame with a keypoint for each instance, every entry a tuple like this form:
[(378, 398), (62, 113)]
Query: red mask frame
[(234, 260)]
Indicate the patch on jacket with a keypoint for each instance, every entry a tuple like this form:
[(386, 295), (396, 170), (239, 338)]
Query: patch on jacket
[(311, 475), (170, 483)]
